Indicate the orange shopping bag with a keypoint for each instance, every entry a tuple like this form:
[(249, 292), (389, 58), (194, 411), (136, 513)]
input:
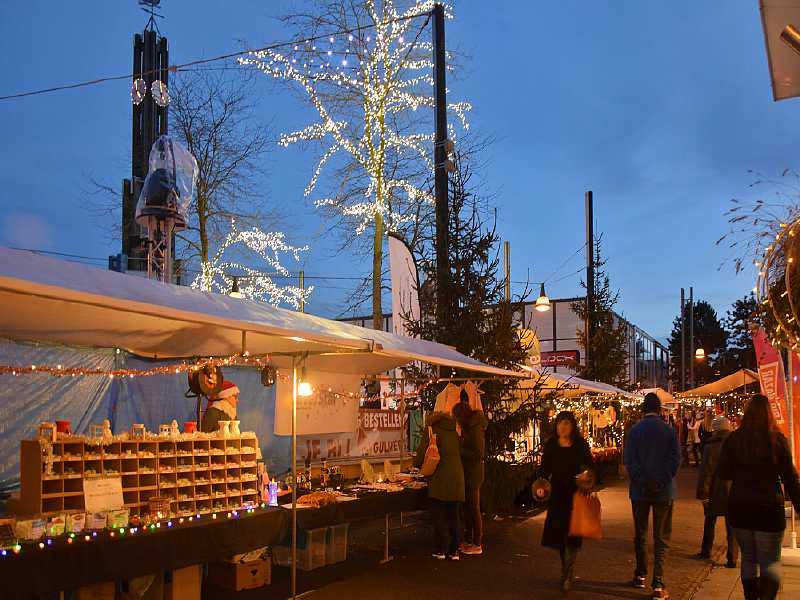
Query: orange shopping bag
[(585, 520)]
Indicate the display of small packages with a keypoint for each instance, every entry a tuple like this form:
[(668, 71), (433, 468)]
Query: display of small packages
[(76, 522), (96, 520), (30, 529), (56, 526)]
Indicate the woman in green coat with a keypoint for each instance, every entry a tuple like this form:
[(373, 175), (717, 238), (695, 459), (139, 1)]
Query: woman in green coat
[(445, 486), (473, 450)]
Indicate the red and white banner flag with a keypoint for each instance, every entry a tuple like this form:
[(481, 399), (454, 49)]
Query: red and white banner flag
[(773, 380)]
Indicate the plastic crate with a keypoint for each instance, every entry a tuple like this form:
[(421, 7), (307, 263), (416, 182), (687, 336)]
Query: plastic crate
[(309, 557), (336, 544)]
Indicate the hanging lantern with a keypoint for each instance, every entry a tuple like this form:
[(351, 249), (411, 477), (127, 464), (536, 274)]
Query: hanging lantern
[(138, 90), (160, 93), (303, 386), (700, 354), (542, 302), (268, 376)]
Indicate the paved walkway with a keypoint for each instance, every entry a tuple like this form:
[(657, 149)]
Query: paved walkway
[(515, 565), (725, 584)]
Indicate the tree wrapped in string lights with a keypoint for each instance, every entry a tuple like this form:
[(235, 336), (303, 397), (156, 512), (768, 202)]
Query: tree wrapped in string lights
[(242, 248), (366, 87), (778, 286)]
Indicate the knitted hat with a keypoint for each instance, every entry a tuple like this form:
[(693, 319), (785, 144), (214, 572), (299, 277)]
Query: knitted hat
[(720, 423), (652, 404), (228, 389)]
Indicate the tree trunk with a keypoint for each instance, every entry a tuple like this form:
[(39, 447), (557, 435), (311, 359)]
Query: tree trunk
[(202, 227), (377, 269)]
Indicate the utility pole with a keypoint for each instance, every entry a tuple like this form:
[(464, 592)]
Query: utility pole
[(691, 336), (683, 341), (440, 166), (507, 252), (590, 300)]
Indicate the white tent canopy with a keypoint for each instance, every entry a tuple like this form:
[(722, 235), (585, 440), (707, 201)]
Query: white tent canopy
[(50, 300), (731, 382), (663, 395), (575, 386)]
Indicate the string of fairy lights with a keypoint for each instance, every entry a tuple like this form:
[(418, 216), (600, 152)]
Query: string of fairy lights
[(88, 536)]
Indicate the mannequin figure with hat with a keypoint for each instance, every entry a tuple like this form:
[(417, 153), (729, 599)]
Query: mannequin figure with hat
[(221, 407)]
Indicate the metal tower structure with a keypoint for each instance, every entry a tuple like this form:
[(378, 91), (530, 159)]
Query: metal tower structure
[(146, 250)]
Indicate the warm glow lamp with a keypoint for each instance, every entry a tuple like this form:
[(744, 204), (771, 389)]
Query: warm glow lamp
[(700, 354), (542, 302), (791, 37), (303, 386)]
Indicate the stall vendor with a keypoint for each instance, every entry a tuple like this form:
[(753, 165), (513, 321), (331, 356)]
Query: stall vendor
[(221, 407)]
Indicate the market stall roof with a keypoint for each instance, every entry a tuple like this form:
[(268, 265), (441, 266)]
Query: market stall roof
[(784, 63), (728, 383), (574, 386), (50, 300), (663, 395)]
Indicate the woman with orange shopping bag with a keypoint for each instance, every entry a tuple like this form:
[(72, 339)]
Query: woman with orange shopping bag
[(568, 465)]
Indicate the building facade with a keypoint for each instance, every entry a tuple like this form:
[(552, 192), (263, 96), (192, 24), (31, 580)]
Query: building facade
[(557, 330)]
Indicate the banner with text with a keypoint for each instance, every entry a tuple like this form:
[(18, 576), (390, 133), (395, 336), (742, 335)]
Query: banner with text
[(380, 433), (771, 374)]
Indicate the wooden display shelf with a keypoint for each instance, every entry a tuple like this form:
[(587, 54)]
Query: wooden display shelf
[(148, 467)]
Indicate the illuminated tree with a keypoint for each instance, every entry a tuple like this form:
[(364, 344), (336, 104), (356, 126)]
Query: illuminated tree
[(237, 252), (366, 87)]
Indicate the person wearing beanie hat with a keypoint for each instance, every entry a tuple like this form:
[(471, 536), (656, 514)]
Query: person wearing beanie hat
[(221, 407), (714, 493)]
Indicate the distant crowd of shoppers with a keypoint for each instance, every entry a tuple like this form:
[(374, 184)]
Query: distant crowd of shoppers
[(743, 474)]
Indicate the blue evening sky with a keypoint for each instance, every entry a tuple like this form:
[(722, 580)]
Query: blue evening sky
[(660, 108)]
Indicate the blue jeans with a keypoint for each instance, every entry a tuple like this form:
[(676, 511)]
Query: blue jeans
[(760, 549)]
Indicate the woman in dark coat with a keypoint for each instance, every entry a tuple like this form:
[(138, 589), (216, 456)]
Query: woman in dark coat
[(566, 461), (473, 448), (757, 460), (445, 486)]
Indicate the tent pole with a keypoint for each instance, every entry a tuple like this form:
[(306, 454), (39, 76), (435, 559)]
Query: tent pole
[(790, 415), (294, 477)]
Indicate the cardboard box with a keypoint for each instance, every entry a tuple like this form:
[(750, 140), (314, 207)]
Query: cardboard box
[(184, 584), (240, 576)]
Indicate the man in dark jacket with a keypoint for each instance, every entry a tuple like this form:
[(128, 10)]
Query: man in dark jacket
[(714, 493), (652, 458)]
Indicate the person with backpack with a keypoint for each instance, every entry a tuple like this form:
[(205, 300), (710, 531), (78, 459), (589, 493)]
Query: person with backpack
[(445, 483), (756, 459), (652, 459)]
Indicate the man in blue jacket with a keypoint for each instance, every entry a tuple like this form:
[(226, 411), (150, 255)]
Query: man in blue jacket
[(652, 458)]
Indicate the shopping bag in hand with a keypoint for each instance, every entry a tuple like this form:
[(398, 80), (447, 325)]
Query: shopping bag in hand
[(432, 456), (585, 520)]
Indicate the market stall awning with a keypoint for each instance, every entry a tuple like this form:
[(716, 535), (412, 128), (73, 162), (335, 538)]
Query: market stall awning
[(783, 61), (663, 395), (731, 382), (50, 300), (571, 385)]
